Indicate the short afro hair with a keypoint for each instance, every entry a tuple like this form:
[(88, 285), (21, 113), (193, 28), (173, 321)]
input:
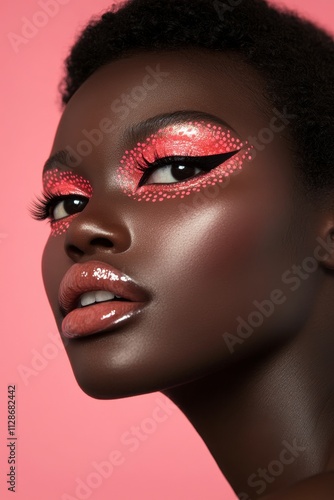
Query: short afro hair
[(294, 57)]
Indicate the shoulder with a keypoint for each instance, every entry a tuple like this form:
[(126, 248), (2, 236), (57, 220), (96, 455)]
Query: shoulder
[(320, 487)]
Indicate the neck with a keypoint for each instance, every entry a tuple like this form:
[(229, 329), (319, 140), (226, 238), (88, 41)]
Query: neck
[(267, 422)]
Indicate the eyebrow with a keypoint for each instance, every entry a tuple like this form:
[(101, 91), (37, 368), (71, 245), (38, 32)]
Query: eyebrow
[(60, 157), (140, 131)]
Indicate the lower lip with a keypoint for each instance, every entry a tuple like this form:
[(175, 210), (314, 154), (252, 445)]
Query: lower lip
[(98, 317)]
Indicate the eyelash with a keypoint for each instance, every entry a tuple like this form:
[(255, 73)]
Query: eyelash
[(42, 206), (205, 163)]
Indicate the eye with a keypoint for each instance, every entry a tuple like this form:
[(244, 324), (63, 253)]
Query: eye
[(174, 169), (174, 172), (68, 206), (56, 206)]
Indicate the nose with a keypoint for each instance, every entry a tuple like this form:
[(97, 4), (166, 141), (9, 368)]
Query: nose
[(94, 234)]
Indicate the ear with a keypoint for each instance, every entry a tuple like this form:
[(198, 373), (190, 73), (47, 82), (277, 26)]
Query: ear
[(324, 251)]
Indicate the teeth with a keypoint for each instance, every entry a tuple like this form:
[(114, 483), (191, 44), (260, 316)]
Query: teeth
[(89, 298), (101, 296)]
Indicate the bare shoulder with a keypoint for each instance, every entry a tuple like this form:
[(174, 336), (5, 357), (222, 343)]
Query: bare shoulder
[(320, 487)]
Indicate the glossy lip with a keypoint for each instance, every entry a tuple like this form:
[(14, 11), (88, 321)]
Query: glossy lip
[(96, 318)]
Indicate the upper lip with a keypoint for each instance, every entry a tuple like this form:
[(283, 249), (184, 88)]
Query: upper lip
[(92, 276)]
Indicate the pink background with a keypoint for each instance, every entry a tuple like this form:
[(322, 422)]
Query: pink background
[(61, 431)]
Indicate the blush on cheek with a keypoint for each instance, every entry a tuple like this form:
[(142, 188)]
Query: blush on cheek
[(58, 182), (191, 139)]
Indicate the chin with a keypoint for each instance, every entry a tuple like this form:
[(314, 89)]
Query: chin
[(101, 385)]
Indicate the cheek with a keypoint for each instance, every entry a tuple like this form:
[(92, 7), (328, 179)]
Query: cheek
[(220, 237), (53, 268), (226, 254), (206, 273)]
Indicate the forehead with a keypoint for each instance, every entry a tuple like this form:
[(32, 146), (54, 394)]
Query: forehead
[(135, 88)]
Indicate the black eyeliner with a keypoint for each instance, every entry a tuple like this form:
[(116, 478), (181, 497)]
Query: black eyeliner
[(205, 163)]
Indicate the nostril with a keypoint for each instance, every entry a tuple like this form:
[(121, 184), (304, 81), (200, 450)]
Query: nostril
[(73, 250), (88, 246), (103, 242)]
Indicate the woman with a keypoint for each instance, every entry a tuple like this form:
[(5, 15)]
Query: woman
[(189, 192)]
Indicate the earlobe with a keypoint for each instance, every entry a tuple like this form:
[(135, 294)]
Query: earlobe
[(324, 251)]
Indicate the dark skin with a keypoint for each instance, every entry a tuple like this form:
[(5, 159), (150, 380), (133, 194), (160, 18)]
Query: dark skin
[(204, 270)]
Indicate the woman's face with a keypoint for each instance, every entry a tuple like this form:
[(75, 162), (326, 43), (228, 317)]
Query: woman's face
[(202, 241)]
